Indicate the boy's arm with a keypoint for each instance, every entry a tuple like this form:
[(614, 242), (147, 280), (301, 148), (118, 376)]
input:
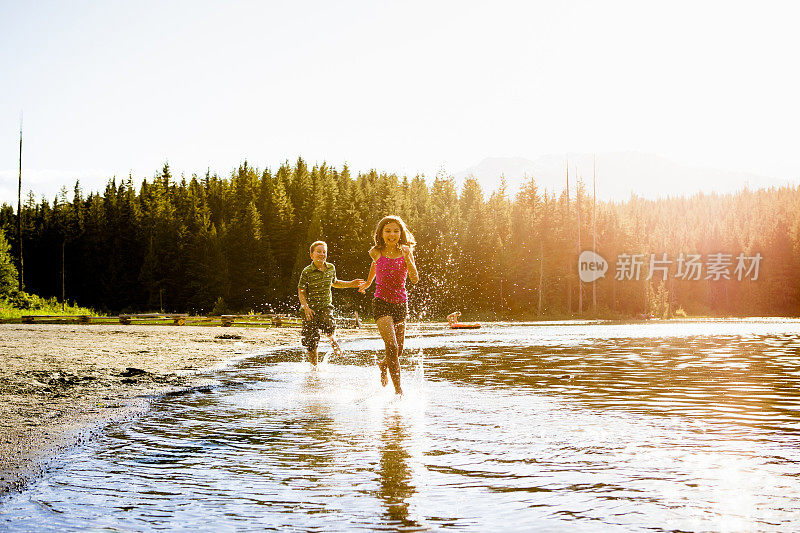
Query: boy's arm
[(301, 295), (339, 284)]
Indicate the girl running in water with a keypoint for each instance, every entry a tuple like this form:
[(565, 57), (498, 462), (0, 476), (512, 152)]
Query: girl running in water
[(392, 261)]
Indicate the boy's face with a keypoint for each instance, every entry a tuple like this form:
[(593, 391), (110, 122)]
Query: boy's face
[(318, 255)]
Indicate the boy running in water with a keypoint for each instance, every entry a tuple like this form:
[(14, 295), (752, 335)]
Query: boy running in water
[(316, 300)]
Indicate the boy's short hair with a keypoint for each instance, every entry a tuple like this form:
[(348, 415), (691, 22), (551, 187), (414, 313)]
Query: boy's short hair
[(315, 244)]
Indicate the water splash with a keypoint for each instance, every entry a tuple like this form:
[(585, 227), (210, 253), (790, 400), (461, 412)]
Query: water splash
[(326, 359), (417, 358)]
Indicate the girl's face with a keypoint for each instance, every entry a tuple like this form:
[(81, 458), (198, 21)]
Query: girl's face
[(391, 233)]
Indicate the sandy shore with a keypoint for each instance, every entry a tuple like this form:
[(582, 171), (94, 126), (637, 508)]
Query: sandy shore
[(60, 384)]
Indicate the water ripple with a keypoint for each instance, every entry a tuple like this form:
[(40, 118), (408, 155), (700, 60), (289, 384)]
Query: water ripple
[(658, 427)]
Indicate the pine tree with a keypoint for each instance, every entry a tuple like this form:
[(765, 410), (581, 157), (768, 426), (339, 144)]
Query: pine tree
[(439, 257), (8, 272), (280, 226), (250, 260), (475, 255), (207, 271)]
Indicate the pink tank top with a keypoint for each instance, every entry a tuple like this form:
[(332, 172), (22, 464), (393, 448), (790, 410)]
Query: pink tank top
[(390, 279)]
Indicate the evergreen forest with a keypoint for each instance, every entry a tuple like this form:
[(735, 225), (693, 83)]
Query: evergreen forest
[(237, 244)]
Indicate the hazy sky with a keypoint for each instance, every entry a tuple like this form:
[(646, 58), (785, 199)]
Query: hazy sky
[(113, 87)]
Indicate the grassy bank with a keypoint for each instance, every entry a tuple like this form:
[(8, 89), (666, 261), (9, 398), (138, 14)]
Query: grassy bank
[(20, 304)]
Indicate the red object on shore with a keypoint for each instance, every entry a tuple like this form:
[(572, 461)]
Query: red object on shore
[(470, 325)]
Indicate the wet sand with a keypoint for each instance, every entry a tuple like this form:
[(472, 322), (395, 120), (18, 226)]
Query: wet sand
[(60, 384)]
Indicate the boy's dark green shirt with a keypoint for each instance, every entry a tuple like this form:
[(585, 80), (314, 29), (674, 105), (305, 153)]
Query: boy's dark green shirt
[(317, 285)]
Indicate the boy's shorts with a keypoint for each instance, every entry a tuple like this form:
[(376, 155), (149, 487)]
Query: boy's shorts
[(321, 321), (381, 308)]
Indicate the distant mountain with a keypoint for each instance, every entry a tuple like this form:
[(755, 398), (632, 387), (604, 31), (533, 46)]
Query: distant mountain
[(619, 174)]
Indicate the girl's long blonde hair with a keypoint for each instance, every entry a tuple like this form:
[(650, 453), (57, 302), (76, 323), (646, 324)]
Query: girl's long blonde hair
[(406, 237)]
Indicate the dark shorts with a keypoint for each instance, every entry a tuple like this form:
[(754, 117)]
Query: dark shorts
[(381, 308), (321, 321)]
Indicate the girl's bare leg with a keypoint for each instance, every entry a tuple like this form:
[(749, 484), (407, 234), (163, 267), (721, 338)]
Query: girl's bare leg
[(391, 361), (400, 336)]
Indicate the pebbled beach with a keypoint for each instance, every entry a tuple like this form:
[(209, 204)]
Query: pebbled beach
[(60, 384)]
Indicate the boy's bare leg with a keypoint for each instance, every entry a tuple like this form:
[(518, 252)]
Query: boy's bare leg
[(337, 350), (384, 371), (391, 362), (312, 357)]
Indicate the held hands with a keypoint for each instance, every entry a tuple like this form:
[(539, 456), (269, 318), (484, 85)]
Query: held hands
[(363, 286), (357, 283)]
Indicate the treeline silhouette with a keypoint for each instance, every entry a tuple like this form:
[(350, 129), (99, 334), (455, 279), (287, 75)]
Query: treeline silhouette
[(238, 244)]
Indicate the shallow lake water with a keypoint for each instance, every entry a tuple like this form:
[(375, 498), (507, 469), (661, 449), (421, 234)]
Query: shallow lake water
[(674, 426)]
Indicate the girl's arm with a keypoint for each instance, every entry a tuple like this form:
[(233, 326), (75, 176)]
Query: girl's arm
[(365, 284), (413, 274), (374, 254)]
